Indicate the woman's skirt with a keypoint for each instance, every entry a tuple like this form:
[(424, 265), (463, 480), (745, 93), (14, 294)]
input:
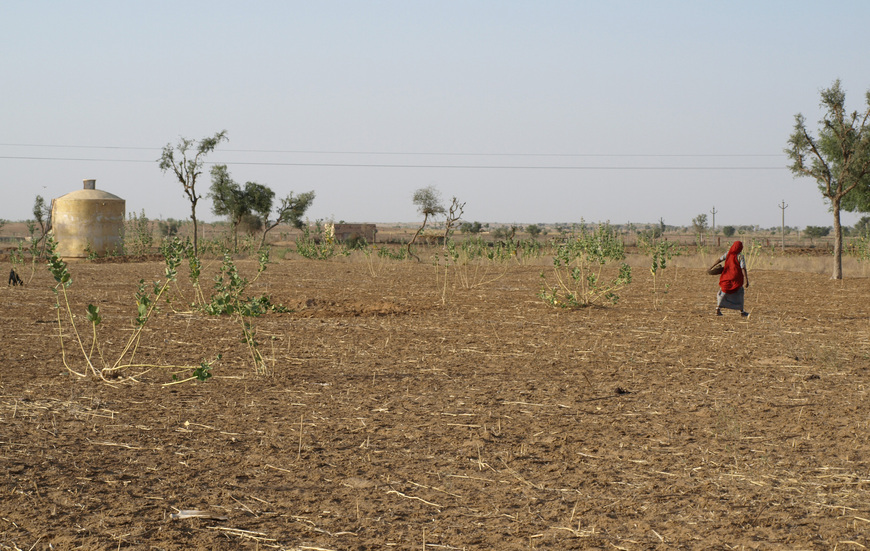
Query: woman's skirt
[(732, 301)]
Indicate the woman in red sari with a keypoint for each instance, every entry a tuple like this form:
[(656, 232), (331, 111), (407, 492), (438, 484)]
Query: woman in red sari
[(733, 281)]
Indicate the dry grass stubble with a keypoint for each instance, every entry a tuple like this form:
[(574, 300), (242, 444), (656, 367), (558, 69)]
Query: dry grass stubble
[(491, 422)]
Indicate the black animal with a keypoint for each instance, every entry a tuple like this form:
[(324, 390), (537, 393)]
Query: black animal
[(14, 279)]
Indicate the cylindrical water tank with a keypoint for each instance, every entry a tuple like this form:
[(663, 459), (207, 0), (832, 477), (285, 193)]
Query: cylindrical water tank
[(88, 221)]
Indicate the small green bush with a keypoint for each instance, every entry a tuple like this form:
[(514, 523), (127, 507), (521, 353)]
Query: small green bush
[(578, 264)]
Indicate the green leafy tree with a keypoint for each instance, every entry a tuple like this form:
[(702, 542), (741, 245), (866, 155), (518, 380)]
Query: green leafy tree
[(259, 199), (42, 215), (699, 225), (228, 199), (862, 226), (728, 231), (504, 232), (252, 205), (533, 230), (168, 227), (185, 160), (290, 211), (816, 232), (471, 227), (838, 159), (251, 224)]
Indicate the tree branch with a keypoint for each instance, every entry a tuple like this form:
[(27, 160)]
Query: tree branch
[(826, 177)]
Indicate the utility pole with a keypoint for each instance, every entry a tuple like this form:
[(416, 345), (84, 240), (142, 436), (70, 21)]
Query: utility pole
[(782, 207), (713, 212)]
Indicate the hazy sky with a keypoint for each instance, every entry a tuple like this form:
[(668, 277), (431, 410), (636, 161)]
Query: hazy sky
[(533, 111)]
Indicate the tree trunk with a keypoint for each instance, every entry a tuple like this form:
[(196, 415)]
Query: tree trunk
[(193, 217), (263, 239), (838, 240), (411, 242)]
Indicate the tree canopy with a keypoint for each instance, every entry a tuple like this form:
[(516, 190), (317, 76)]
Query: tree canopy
[(428, 201), (815, 232), (289, 211), (254, 201), (228, 199)]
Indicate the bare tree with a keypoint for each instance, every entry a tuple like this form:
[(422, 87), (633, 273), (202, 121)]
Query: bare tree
[(454, 215), (189, 167)]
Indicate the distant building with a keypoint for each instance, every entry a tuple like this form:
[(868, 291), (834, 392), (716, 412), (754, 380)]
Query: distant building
[(348, 232)]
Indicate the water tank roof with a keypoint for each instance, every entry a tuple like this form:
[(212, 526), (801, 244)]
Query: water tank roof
[(89, 195)]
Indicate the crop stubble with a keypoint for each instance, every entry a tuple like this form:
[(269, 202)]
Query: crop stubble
[(392, 421)]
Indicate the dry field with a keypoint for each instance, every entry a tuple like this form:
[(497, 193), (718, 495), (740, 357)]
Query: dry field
[(391, 419)]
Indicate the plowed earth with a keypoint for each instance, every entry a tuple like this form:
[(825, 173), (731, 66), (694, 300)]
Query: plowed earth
[(392, 419)]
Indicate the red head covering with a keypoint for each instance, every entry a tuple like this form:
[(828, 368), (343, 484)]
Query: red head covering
[(732, 276)]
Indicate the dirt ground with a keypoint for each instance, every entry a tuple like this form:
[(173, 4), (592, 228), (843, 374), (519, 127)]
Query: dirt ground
[(391, 418)]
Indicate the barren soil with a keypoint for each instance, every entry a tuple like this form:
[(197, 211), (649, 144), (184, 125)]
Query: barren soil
[(390, 419)]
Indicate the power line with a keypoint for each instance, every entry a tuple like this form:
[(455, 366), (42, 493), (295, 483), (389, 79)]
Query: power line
[(29, 158), (420, 153), (24, 158), (78, 146), (428, 166), (509, 167)]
